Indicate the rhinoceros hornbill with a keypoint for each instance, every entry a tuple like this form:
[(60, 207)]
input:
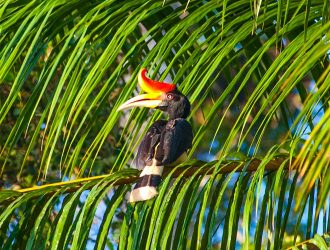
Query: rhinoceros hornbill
[(167, 141)]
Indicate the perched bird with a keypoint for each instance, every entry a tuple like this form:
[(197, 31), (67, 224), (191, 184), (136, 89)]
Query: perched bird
[(167, 141)]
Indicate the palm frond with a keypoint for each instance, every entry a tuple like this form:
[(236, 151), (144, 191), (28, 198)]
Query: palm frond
[(257, 74)]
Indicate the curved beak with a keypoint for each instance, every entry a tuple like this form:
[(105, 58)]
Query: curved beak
[(150, 100)]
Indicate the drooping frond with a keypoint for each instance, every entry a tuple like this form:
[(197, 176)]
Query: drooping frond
[(257, 75), (193, 204)]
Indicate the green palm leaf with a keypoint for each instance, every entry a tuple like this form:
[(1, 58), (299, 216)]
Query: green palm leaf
[(257, 75)]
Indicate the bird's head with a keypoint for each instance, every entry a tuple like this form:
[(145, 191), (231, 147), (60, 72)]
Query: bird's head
[(160, 95)]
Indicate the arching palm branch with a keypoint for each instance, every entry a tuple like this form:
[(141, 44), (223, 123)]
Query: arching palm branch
[(257, 75)]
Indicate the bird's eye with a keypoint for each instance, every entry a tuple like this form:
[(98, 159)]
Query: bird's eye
[(170, 96)]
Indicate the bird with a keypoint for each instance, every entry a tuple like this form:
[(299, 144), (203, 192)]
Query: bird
[(166, 142)]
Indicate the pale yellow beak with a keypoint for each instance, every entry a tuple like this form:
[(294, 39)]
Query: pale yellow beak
[(150, 100)]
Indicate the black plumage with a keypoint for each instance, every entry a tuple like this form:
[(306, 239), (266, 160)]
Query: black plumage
[(163, 145), (166, 141)]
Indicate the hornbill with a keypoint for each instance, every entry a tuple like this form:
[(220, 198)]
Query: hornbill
[(167, 141)]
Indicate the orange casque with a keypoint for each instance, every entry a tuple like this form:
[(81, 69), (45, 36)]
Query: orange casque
[(150, 86)]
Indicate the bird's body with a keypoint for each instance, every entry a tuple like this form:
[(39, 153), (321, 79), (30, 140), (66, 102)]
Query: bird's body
[(166, 142)]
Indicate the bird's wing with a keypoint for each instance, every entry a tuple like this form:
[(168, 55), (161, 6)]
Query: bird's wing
[(176, 139), (149, 143)]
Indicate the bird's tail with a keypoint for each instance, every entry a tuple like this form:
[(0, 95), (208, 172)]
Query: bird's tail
[(145, 188)]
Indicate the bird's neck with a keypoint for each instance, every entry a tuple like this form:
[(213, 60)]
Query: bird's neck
[(178, 112)]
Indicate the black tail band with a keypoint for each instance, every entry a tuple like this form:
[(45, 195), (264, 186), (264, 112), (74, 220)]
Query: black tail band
[(148, 180)]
